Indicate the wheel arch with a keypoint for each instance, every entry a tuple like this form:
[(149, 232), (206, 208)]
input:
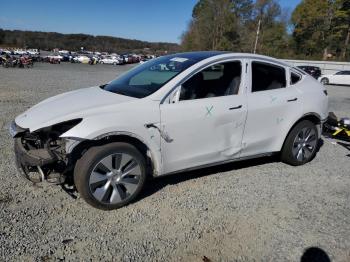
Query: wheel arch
[(324, 77), (151, 158), (312, 117)]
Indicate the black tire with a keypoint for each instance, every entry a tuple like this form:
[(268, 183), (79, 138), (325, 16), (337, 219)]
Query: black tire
[(325, 81), (90, 161), (294, 145)]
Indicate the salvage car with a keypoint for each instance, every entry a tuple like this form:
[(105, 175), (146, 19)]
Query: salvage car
[(112, 60), (81, 59), (339, 78), (169, 115)]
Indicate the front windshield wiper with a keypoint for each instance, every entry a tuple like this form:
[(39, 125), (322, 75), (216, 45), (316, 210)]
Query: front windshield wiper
[(117, 92), (121, 93)]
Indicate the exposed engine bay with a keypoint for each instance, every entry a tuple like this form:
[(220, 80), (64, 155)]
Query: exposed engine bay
[(41, 155)]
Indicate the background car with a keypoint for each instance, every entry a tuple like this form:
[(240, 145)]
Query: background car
[(312, 70), (66, 57), (339, 78), (81, 59), (54, 59), (33, 52), (112, 60)]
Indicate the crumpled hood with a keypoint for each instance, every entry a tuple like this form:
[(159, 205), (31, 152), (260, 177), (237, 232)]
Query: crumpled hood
[(68, 106)]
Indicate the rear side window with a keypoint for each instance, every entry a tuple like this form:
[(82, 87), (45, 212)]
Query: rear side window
[(267, 77), (294, 78)]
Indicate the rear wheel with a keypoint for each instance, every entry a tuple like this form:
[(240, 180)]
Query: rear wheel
[(325, 81), (110, 176), (301, 144)]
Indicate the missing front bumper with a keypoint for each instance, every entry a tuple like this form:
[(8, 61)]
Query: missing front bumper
[(30, 162), (35, 157)]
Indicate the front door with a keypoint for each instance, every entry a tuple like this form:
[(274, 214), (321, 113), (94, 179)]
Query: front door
[(205, 124)]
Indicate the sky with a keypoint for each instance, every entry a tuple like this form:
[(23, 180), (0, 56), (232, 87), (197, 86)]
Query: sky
[(148, 20)]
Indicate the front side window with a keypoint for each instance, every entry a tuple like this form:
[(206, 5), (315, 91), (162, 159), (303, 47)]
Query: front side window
[(217, 80), (267, 77), (149, 77)]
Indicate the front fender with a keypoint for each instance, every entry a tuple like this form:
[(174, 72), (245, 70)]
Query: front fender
[(132, 124)]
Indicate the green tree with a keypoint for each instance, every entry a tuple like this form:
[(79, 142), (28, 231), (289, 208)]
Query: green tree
[(232, 24), (216, 25), (312, 20), (273, 37), (73, 42), (341, 27)]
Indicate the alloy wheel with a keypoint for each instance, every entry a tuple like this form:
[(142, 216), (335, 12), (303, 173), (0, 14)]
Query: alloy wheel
[(304, 144), (115, 178)]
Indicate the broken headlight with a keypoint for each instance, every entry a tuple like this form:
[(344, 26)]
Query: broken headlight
[(61, 128), (16, 130)]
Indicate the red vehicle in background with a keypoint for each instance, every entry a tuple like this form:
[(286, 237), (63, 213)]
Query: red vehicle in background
[(25, 61)]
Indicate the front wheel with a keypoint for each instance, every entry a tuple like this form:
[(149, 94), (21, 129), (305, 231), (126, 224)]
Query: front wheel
[(301, 144), (110, 176)]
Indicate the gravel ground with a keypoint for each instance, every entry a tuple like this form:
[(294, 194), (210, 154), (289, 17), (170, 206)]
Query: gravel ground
[(260, 210)]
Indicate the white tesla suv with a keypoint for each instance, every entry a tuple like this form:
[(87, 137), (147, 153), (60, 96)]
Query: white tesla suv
[(171, 114)]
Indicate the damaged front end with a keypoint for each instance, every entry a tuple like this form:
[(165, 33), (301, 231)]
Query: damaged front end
[(41, 155)]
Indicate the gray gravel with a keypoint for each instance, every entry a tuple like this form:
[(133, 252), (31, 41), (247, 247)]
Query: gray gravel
[(260, 210)]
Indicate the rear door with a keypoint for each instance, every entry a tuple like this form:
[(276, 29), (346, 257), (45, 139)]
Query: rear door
[(273, 104)]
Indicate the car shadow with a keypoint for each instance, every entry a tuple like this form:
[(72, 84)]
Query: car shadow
[(346, 145), (319, 145), (315, 254), (158, 183)]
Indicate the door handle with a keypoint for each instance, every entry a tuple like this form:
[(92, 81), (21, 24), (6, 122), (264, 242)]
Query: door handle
[(236, 107), (292, 100)]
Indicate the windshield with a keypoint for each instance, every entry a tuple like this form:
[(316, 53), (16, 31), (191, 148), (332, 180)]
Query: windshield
[(149, 77)]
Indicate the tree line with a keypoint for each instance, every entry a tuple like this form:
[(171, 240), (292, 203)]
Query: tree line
[(73, 42), (315, 29)]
